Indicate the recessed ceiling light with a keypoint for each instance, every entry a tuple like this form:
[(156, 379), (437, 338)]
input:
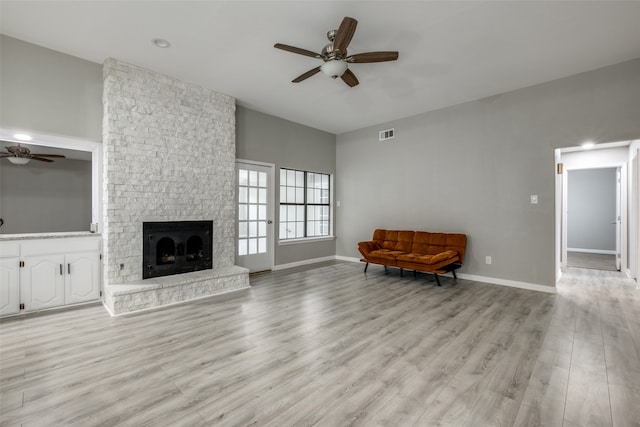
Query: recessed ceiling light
[(588, 144), (22, 137), (161, 43)]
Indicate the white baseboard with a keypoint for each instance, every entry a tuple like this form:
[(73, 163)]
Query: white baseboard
[(347, 258), (303, 262), (484, 279), (591, 251), (510, 283)]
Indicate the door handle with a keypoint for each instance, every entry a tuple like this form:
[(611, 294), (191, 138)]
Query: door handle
[(61, 272), (269, 221), (68, 268)]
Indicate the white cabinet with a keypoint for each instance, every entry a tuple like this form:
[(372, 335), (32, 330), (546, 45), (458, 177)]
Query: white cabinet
[(82, 278), (9, 286), (43, 273), (42, 282)]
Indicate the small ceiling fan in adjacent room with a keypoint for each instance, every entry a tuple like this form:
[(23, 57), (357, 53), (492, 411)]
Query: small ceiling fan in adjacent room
[(19, 155), (335, 56)]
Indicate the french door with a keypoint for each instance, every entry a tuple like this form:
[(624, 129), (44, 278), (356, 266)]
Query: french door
[(254, 215)]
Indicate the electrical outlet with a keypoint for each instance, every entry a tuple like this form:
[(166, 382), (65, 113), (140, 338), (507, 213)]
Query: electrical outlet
[(534, 199), (487, 260)]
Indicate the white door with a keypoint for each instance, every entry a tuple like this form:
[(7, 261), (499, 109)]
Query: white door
[(254, 242), (42, 282), (618, 219), (9, 286), (82, 278)]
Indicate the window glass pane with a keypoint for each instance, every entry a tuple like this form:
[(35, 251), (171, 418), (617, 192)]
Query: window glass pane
[(311, 179), (283, 213), (283, 177), (253, 229), (262, 179), (242, 247), (311, 213), (291, 194), (262, 195), (291, 213), (253, 212), (283, 195), (253, 195), (262, 228), (299, 179), (242, 194), (291, 230), (310, 229), (242, 212), (291, 178), (253, 178), (242, 229), (262, 245), (325, 181), (262, 212), (243, 177), (299, 195), (253, 246), (299, 213), (324, 196), (283, 230), (299, 229)]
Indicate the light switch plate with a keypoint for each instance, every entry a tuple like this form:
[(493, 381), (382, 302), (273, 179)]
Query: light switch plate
[(534, 199)]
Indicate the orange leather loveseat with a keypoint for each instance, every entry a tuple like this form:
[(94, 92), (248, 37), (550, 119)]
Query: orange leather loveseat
[(436, 253)]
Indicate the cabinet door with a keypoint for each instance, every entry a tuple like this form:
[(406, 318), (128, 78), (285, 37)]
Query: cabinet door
[(82, 280), (9, 286), (42, 282)]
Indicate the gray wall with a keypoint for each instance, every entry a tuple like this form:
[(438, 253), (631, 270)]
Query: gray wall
[(471, 168), (45, 197), (591, 207), (265, 138), (49, 92)]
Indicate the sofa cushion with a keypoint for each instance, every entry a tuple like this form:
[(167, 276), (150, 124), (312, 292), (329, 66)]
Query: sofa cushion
[(428, 259), (394, 240)]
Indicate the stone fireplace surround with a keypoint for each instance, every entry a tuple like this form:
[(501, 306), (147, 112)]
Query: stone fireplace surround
[(169, 155)]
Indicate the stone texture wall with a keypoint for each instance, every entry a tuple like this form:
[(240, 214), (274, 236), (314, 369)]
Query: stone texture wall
[(169, 155)]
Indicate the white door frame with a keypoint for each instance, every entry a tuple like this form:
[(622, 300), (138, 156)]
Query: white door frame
[(623, 208), (271, 210)]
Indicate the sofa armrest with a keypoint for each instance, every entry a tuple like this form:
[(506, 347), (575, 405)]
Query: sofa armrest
[(366, 247)]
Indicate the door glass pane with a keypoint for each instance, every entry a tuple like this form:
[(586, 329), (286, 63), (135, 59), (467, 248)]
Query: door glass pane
[(262, 212), (242, 212), (253, 229), (242, 194), (262, 228), (243, 177), (253, 246), (262, 179), (242, 229), (242, 246), (253, 178), (262, 195), (253, 195), (253, 212)]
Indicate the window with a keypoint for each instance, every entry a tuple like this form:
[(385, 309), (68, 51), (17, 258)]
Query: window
[(304, 204)]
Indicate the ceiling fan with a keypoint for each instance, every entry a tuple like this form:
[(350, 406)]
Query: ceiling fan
[(335, 56), (20, 155)]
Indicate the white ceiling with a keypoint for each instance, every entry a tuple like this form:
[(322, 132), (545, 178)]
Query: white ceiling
[(450, 52)]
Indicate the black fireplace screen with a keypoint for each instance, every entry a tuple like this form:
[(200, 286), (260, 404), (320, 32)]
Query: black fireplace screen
[(176, 247)]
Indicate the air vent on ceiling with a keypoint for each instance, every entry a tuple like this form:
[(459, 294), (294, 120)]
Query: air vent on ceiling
[(387, 134)]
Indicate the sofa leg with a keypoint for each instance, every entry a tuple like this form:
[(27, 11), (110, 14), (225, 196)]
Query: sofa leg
[(454, 275), (415, 274), (365, 267), (401, 272), (386, 270), (437, 279)]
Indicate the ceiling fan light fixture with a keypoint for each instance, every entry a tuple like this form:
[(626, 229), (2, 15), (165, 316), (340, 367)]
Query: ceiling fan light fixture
[(19, 160), (334, 68), (22, 137)]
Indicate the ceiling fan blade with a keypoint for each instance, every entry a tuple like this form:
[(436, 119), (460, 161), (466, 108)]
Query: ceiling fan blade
[(297, 50), (306, 75), (6, 155), (57, 156), (349, 78), (42, 159), (361, 58), (345, 33)]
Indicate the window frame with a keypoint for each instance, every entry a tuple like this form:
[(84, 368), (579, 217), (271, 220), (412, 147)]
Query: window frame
[(305, 205)]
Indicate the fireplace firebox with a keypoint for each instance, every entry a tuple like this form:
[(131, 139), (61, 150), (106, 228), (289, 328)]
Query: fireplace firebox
[(175, 247)]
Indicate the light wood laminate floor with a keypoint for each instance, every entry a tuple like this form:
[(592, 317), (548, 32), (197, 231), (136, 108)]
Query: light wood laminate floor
[(328, 345)]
